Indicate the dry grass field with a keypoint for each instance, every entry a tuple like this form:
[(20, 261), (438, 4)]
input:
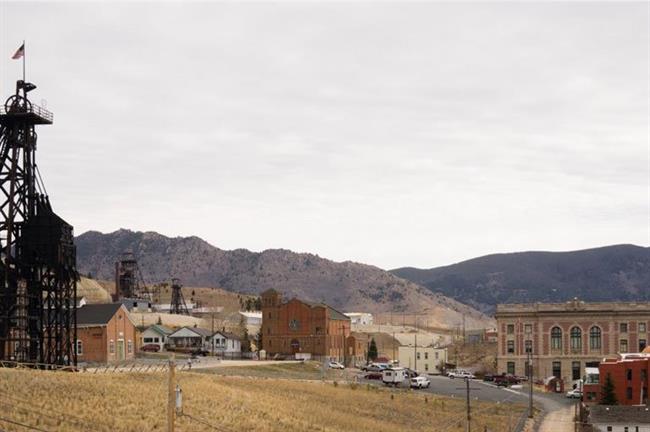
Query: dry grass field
[(63, 401)]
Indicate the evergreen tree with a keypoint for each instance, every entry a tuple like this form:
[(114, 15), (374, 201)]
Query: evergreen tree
[(245, 342), (608, 396), (372, 350)]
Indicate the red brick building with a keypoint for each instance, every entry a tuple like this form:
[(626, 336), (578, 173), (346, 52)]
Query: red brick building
[(629, 373), (105, 334), (296, 326)]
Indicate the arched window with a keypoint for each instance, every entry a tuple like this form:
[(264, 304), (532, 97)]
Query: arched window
[(595, 338), (576, 339), (556, 338)]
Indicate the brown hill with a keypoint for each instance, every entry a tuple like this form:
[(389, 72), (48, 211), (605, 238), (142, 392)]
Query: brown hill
[(346, 285)]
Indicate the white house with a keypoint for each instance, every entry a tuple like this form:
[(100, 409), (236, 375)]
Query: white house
[(190, 338), (359, 318), (429, 359), (253, 318), (226, 343), (619, 418), (156, 334)]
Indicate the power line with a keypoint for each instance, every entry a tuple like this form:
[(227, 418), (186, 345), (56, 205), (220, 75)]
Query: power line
[(6, 420), (205, 423), (70, 418)]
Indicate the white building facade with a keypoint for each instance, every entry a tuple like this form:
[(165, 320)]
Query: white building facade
[(360, 318), (427, 360)]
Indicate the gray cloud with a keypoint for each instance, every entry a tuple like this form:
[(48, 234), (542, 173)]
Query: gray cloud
[(393, 134)]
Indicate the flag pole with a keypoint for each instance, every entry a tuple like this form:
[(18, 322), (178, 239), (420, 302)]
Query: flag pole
[(24, 52)]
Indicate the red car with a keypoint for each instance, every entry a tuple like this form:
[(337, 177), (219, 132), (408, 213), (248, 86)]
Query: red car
[(150, 348)]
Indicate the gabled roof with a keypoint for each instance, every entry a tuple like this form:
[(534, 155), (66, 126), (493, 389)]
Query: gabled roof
[(161, 329), (198, 330), (97, 314), (336, 315), (227, 335)]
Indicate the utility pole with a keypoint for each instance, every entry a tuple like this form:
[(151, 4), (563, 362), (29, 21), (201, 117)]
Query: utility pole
[(469, 415), (467, 402), (576, 419), (171, 394), (530, 383), (415, 354), (212, 337)]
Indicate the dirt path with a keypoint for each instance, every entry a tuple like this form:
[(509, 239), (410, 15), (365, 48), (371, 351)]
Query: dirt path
[(559, 420)]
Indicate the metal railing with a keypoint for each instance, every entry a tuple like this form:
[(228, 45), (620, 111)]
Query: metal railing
[(31, 109)]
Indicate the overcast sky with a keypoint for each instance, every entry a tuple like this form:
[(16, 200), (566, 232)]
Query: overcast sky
[(391, 134)]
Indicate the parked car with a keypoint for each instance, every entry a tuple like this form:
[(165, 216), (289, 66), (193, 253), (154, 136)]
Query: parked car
[(373, 375), (506, 380), (488, 377), (411, 373), (150, 348), (460, 374), (394, 376), (374, 367), (200, 352), (420, 382), (574, 394), (335, 365)]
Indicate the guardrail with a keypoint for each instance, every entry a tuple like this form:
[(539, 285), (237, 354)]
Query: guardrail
[(32, 109)]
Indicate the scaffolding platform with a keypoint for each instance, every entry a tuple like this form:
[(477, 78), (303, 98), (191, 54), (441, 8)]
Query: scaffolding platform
[(33, 114)]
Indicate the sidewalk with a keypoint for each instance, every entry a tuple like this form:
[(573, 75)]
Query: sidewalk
[(560, 420)]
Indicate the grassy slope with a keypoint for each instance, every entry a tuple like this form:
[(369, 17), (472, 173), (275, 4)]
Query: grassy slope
[(136, 402)]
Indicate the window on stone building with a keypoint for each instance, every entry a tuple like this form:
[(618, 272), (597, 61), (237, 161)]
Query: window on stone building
[(556, 338), (129, 346), (528, 328), (623, 327), (426, 356), (642, 344), (557, 369), (642, 328), (418, 355), (595, 338), (576, 339), (628, 393), (426, 366), (511, 347), (111, 346), (529, 346), (511, 368), (623, 345), (80, 347), (628, 374), (511, 329), (575, 370)]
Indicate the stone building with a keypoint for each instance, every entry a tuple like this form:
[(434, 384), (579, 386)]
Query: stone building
[(564, 338), (296, 327)]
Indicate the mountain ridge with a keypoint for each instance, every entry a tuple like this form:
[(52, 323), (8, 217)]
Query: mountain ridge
[(606, 273), (344, 285)]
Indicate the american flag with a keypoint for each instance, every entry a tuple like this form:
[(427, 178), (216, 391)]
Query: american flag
[(19, 53)]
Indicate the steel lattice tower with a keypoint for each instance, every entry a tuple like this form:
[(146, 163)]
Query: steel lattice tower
[(37, 253), (177, 304), (129, 282)]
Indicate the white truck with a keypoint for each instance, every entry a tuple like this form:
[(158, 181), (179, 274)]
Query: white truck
[(394, 376)]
